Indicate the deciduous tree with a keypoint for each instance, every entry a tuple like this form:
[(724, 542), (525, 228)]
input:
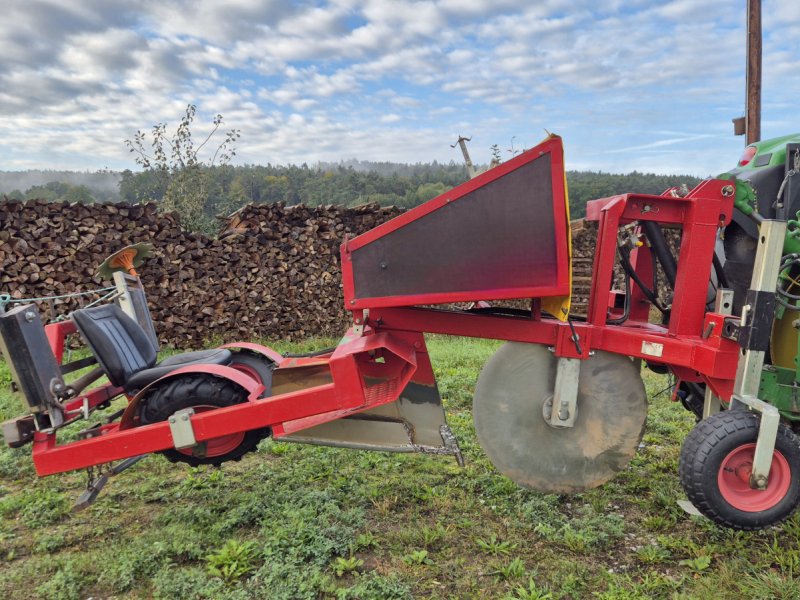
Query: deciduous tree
[(183, 167)]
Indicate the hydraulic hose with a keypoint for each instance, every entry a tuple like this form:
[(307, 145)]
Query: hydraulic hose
[(625, 261), (658, 244)]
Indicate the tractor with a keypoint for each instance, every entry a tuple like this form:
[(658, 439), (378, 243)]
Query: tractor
[(559, 408)]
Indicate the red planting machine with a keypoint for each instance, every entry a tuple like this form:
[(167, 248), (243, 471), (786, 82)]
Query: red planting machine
[(560, 407)]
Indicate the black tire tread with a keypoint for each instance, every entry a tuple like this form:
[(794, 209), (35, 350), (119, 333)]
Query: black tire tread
[(190, 390), (698, 449)]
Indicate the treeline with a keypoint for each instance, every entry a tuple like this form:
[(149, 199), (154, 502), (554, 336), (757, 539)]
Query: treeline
[(406, 186), (228, 188), (590, 185), (55, 191), (102, 185)]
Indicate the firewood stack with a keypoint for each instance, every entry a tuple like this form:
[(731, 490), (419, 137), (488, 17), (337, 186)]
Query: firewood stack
[(272, 273)]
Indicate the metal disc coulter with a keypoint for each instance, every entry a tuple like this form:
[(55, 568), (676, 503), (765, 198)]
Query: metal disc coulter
[(511, 405)]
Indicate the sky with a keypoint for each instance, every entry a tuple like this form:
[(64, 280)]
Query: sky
[(629, 84)]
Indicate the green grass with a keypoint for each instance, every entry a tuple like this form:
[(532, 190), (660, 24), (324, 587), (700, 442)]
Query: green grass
[(293, 521)]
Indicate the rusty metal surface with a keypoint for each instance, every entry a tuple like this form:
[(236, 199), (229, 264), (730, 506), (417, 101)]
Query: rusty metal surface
[(292, 379), (510, 393), (410, 424), (498, 236)]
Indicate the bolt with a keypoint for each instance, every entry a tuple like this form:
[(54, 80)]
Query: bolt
[(172, 420), (185, 417), (563, 413), (30, 316), (727, 190), (384, 265), (547, 409), (352, 301)]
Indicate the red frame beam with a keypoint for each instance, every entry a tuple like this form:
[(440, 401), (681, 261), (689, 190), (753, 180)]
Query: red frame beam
[(350, 392)]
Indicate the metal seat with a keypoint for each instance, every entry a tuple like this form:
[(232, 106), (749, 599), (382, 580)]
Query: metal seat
[(126, 353)]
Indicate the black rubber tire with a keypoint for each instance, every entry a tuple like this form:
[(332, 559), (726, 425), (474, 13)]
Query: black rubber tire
[(258, 365), (197, 390), (702, 455)]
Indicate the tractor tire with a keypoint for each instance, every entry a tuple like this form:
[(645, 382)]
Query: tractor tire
[(715, 465), (256, 366), (201, 392)]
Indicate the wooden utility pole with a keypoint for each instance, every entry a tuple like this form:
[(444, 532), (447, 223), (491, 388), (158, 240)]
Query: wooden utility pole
[(462, 141), (753, 114)]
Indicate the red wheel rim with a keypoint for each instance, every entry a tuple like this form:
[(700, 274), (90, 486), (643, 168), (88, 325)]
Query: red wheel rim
[(734, 480), (216, 446), (247, 370), (250, 372)]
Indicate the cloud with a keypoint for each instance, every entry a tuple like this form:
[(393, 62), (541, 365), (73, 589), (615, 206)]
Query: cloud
[(389, 79)]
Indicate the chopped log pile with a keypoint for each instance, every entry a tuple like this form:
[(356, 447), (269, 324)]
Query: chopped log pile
[(272, 273)]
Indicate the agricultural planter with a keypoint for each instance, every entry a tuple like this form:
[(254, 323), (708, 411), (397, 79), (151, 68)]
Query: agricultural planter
[(559, 408)]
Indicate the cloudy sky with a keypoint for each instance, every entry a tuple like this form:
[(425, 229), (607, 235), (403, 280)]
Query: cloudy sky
[(630, 84)]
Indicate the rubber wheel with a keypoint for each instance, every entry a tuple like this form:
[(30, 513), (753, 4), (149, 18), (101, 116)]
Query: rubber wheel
[(715, 465), (203, 393), (256, 366)]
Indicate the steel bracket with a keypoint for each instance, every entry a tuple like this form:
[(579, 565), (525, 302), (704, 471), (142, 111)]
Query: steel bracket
[(561, 409), (361, 322), (751, 362), (180, 425), (765, 443), (723, 305)]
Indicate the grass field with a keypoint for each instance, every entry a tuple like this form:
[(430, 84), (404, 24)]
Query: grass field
[(293, 521)]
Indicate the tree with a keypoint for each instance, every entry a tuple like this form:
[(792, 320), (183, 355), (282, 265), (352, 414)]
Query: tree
[(177, 163)]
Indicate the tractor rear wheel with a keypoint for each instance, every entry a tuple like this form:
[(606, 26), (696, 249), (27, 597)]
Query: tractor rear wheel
[(715, 466), (202, 393)]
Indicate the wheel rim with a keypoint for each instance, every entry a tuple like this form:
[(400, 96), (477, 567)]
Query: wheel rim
[(247, 370), (219, 445), (734, 480)]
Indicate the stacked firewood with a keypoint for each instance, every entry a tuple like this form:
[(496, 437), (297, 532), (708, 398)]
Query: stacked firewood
[(54, 248), (272, 272)]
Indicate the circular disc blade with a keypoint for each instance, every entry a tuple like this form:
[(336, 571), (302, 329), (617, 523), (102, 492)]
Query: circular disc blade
[(509, 395)]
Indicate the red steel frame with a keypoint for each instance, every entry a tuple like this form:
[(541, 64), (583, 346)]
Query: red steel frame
[(366, 371), (690, 345), (373, 368), (560, 286)]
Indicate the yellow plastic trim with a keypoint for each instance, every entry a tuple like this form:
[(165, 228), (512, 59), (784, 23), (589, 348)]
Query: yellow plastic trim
[(559, 306)]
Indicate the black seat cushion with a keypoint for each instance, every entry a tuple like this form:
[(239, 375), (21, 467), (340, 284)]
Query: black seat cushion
[(118, 342), (204, 357)]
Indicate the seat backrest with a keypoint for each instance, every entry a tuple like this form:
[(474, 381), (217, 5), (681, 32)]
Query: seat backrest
[(119, 343)]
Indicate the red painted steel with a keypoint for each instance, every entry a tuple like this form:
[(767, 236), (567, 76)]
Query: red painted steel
[(265, 351), (373, 368), (553, 147), (349, 392), (56, 333)]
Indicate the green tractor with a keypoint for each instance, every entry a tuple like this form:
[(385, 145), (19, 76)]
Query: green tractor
[(771, 170)]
